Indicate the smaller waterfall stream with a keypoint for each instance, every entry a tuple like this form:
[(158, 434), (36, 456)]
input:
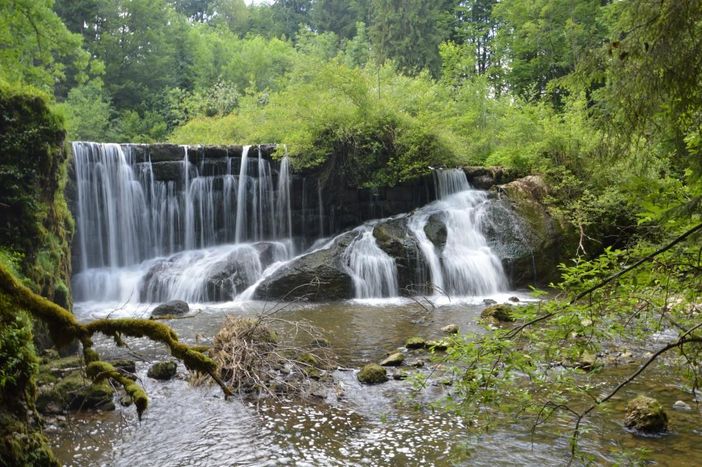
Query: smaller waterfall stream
[(466, 265), (374, 272)]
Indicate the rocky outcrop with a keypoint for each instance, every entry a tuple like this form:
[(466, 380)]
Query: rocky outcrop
[(524, 234), (317, 276), (484, 178)]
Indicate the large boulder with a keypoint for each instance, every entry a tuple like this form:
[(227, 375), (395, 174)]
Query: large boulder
[(317, 276), (394, 238), (523, 232)]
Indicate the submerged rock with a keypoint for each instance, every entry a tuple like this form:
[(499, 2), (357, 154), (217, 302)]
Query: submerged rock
[(415, 342), (646, 414), (450, 329), (372, 374), (395, 359), (317, 276), (499, 312), (683, 406), (162, 370), (171, 308)]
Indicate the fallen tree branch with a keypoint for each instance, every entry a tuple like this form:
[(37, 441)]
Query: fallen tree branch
[(64, 328)]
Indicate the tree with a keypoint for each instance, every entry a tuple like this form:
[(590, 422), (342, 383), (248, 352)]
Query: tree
[(339, 16), (289, 15), (410, 31), (88, 112), (36, 47), (477, 27), (542, 40)]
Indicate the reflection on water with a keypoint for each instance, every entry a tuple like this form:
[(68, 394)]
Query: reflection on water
[(368, 425)]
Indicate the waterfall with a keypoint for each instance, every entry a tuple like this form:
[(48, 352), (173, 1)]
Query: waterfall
[(283, 211), (158, 230), (241, 196), (374, 272), (465, 265), (152, 228)]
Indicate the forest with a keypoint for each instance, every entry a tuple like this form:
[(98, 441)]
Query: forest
[(602, 100)]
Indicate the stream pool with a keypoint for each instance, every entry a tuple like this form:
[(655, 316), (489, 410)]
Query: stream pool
[(366, 425)]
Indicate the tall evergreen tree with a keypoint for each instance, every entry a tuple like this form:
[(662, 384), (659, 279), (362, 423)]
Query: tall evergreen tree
[(410, 31)]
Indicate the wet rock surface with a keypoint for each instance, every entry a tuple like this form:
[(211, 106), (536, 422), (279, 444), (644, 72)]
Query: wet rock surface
[(162, 370), (171, 308), (318, 276), (372, 374), (646, 415)]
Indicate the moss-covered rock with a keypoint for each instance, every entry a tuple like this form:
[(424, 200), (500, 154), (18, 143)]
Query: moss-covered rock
[(529, 238), (415, 342), (162, 370), (171, 308), (440, 345), (74, 392), (395, 359), (450, 329), (372, 374), (646, 414), (500, 312)]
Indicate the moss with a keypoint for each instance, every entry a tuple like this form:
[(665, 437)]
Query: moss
[(395, 359), (75, 392), (499, 312), (646, 415), (103, 370), (372, 374), (34, 217), (415, 343), (162, 370)]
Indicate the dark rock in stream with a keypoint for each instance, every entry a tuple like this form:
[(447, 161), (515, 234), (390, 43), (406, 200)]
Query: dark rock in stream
[(318, 276), (435, 230), (372, 374), (162, 370), (646, 415), (171, 308)]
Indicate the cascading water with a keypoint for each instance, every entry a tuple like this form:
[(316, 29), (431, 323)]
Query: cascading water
[(130, 221), (374, 272), (207, 230), (465, 266)]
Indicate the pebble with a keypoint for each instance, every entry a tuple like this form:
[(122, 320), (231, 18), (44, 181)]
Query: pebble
[(680, 405)]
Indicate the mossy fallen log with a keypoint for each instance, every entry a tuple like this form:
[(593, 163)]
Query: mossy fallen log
[(64, 328)]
